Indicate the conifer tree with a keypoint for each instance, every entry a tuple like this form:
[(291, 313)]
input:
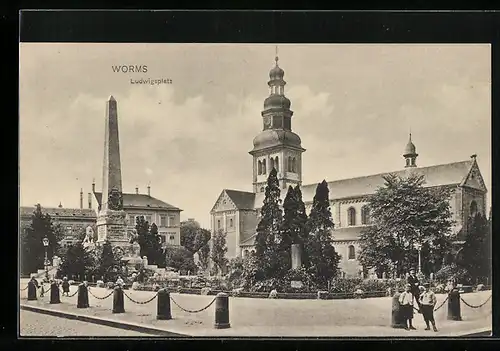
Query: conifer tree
[(476, 251), (142, 229), (155, 251), (268, 237), (322, 258)]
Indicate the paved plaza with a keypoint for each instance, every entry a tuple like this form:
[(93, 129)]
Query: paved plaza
[(275, 317)]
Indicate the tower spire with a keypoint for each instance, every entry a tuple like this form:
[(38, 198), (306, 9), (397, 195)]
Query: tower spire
[(276, 58), (410, 153)]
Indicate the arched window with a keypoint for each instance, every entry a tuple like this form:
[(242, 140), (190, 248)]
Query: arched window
[(294, 165), (230, 222), (260, 168), (351, 216), (473, 208), (245, 253), (351, 254), (218, 224), (263, 166), (271, 163), (262, 189), (289, 164), (365, 215), (253, 252), (277, 164)]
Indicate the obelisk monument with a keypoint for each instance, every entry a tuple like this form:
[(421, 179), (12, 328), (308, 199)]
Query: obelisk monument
[(111, 223)]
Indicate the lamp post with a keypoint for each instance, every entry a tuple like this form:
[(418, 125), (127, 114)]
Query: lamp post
[(46, 262), (418, 246)]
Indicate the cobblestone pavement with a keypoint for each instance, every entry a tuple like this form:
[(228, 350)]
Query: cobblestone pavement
[(37, 324)]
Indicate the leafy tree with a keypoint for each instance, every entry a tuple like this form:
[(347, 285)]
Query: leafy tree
[(142, 230), (218, 252), (202, 246), (476, 252), (323, 260), (33, 251), (404, 214), (268, 238), (294, 226), (180, 259), (189, 230), (79, 262), (155, 251)]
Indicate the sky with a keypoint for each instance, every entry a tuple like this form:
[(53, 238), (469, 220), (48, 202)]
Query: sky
[(354, 106)]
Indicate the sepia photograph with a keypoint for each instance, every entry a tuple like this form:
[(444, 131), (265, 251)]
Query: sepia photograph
[(255, 190)]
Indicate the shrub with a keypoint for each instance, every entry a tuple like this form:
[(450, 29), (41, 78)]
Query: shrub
[(345, 285), (460, 275)]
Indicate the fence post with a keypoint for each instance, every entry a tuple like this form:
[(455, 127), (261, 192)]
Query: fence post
[(397, 320), (31, 291), (118, 300), (83, 296), (222, 311), (163, 307), (454, 305), (54, 293)]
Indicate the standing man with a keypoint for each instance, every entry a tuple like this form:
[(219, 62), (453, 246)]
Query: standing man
[(427, 302), (406, 302), (414, 283)]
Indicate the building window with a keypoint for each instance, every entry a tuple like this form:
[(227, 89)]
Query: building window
[(294, 165), (163, 238), (259, 167), (473, 208), (171, 221), (163, 221), (263, 166), (271, 163), (131, 220), (148, 219), (230, 222), (365, 215), (218, 224), (351, 216), (262, 189), (289, 164), (69, 230), (351, 252), (277, 164), (245, 253)]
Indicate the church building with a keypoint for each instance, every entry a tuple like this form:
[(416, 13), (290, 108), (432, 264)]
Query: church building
[(277, 146)]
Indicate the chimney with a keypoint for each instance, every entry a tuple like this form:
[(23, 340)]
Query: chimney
[(137, 190), (473, 156), (93, 185), (81, 198), (149, 190), (90, 201)]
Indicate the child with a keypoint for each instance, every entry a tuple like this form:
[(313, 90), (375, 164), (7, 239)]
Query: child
[(65, 286), (406, 302), (427, 302)]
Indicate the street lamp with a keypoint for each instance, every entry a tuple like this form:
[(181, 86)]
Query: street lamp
[(46, 262), (418, 246)]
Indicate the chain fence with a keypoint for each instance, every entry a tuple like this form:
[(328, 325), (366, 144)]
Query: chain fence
[(442, 304), (478, 306), (193, 311), (140, 302), (100, 298), (26, 288)]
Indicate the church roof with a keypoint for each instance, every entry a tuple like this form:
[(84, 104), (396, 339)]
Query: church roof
[(60, 212), (140, 201), (243, 200), (249, 241), (438, 175)]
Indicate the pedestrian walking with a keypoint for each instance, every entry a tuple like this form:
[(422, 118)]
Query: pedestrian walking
[(65, 286), (406, 302), (414, 283), (427, 302)]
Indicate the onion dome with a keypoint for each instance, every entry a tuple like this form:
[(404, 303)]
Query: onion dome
[(410, 148), (276, 72), (276, 137), (276, 101)]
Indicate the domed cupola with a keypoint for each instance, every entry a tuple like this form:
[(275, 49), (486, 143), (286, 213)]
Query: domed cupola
[(410, 154), (276, 72), (277, 101)]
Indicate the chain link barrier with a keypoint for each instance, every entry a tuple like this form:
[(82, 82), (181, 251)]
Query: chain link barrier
[(140, 302), (193, 311), (100, 298), (478, 306), (442, 304)]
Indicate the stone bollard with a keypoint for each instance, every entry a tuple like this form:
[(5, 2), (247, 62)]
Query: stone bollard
[(54, 293), (118, 300), (163, 308), (83, 296), (397, 320), (454, 305), (31, 291), (222, 311)]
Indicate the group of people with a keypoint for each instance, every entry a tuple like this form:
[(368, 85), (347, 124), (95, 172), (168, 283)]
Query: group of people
[(425, 299), (64, 286)]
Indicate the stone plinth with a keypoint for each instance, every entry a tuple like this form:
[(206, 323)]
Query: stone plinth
[(111, 226), (296, 256)]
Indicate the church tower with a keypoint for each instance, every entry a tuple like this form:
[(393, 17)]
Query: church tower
[(410, 154), (276, 146)]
